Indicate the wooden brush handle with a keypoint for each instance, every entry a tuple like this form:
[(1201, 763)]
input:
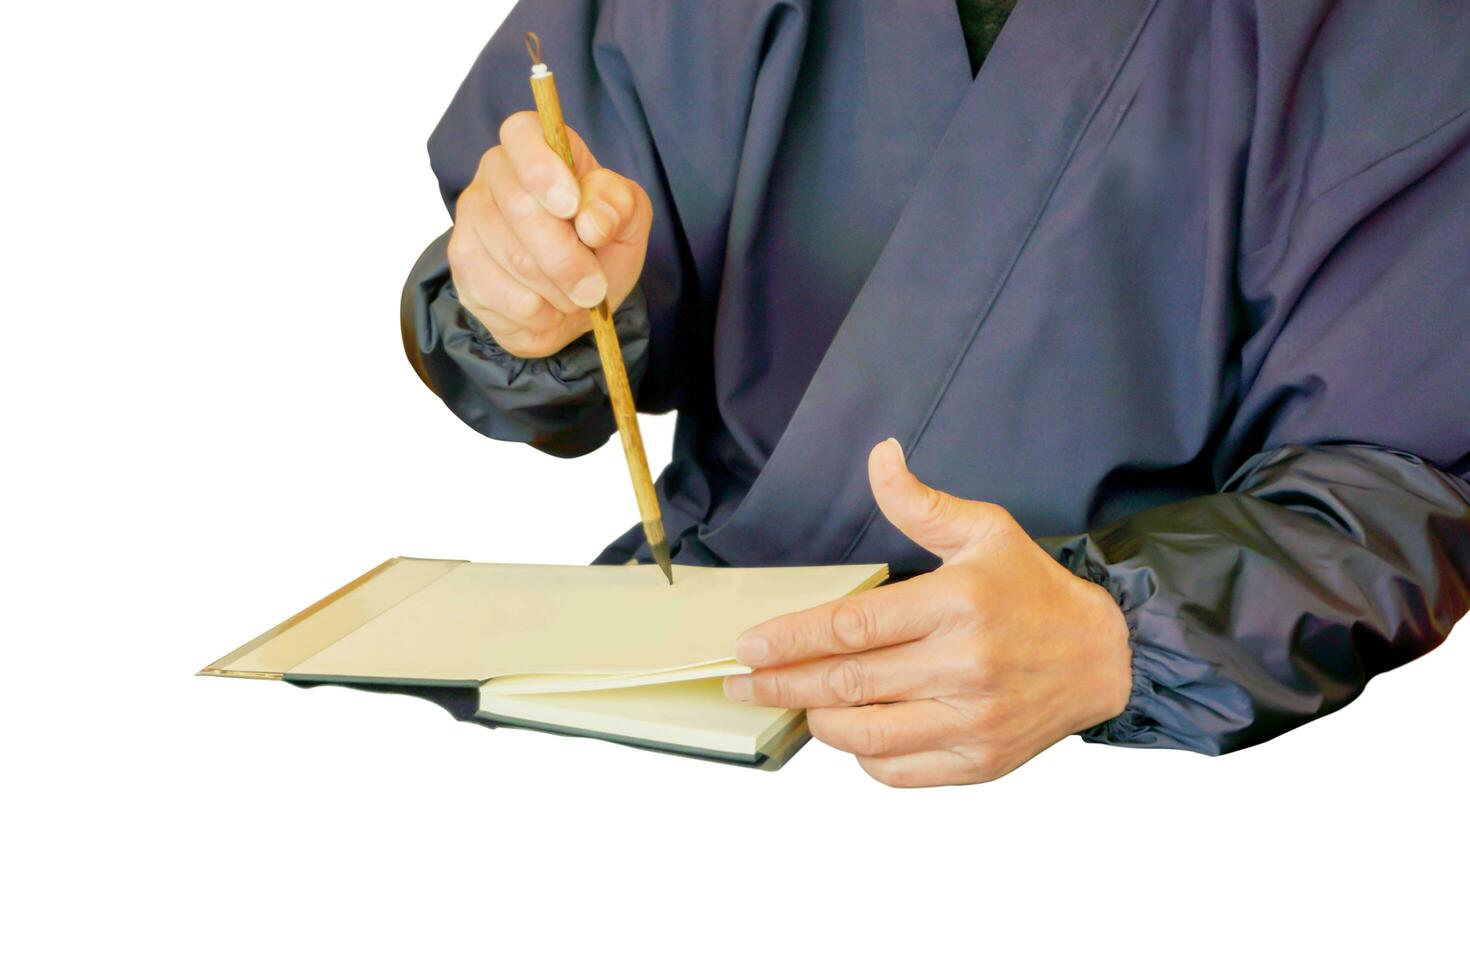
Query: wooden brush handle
[(609, 351)]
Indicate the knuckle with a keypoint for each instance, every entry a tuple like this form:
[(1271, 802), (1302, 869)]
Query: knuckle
[(469, 201), (935, 508), (642, 203), (640, 217), (854, 625), (595, 183), (459, 249), (564, 264), (993, 513), (968, 594), (985, 764), (538, 175), (522, 263), (998, 519), (982, 741), (982, 675), (770, 687), (614, 189), (523, 305), (872, 739), (971, 602), (847, 681), (518, 203)]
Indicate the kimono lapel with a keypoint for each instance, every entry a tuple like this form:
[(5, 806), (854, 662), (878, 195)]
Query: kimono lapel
[(972, 212)]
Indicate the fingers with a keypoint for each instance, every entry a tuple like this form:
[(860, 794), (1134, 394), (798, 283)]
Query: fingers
[(539, 168), (933, 768), (483, 285), (908, 672), (885, 730), (519, 319), (505, 248), (520, 261), (878, 618), (614, 221), (550, 241), (609, 207), (936, 521), (915, 743)]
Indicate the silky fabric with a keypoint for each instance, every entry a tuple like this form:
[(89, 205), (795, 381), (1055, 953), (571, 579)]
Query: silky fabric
[(1182, 285)]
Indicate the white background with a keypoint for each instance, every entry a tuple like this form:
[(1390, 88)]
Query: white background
[(208, 211)]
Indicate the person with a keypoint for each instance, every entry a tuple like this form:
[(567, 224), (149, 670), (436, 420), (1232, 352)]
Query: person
[(1148, 324)]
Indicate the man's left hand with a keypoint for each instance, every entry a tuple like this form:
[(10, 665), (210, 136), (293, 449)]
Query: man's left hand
[(956, 676)]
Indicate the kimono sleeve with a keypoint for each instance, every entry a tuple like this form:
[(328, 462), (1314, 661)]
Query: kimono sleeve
[(557, 404), (654, 106), (1272, 603), (1338, 545)]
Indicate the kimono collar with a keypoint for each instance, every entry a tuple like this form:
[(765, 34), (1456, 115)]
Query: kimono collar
[(967, 221)]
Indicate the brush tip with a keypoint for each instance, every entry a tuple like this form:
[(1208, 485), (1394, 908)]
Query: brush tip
[(661, 555)]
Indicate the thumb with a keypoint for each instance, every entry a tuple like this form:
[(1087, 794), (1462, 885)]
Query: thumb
[(614, 222), (930, 518)]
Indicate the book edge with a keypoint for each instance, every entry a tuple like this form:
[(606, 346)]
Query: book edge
[(221, 667)]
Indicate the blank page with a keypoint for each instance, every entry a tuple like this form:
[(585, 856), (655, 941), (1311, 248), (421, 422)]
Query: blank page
[(481, 620), (692, 713)]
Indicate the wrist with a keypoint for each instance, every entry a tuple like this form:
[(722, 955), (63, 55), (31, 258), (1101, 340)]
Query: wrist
[(1107, 657)]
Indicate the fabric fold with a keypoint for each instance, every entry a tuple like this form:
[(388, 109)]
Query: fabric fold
[(1257, 609), (557, 404)]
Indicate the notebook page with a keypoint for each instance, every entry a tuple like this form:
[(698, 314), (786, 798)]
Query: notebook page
[(694, 713), (484, 620)]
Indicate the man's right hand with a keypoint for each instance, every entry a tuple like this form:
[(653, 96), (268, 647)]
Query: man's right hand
[(534, 246)]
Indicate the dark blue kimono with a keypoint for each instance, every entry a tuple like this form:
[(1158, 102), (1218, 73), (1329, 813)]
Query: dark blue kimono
[(1183, 285)]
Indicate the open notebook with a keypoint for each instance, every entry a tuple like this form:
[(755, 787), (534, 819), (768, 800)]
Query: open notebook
[(610, 651)]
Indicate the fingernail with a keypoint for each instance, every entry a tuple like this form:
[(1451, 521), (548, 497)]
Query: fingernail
[(898, 447), (752, 649), (561, 200), (589, 292), (739, 687)]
